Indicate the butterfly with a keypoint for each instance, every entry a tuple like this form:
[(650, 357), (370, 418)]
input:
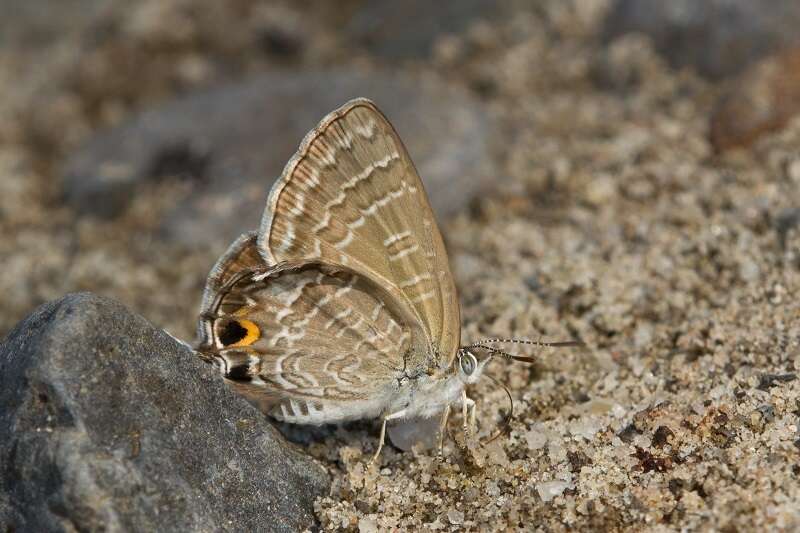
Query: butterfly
[(342, 306)]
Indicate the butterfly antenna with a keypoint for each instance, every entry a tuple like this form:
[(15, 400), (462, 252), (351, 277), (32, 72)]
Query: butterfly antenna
[(484, 345), (557, 344), (509, 417), (496, 351)]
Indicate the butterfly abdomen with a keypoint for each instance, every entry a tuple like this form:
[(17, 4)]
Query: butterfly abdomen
[(244, 371), (325, 411)]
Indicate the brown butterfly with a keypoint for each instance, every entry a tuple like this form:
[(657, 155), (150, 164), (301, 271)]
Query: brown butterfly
[(342, 306)]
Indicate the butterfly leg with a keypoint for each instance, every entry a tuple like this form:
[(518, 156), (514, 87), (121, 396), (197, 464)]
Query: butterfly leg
[(380, 441), (443, 430), (466, 405), (472, 413), (393, 416)]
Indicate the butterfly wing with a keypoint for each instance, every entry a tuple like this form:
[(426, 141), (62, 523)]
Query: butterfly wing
[(308, 342), (351, 196), (241, 256)]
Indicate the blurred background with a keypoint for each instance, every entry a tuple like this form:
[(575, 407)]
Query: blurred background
[(625, 172), (137, 139)]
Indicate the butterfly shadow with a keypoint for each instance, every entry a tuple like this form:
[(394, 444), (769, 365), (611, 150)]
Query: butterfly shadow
[(305, 435)]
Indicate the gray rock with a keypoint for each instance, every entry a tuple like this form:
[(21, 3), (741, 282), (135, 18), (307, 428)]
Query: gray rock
[(234, 141), (107, 423), (39, 23), (409, 29), (716, 37), (785, 221)]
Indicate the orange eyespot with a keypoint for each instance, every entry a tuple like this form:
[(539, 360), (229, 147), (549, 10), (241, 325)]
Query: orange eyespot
[(240, 332)]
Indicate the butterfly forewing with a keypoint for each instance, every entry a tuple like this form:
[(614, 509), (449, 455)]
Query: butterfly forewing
[(309, 342), (351, 196)]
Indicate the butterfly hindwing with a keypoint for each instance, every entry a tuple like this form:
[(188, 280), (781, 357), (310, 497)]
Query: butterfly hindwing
[(241, 256), (309, 342), (351, 196)]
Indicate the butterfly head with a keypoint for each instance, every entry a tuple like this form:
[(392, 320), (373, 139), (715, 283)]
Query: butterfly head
[(472, 359), (469, 366)]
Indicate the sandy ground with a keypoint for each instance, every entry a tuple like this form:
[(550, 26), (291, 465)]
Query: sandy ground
[(677, 267)]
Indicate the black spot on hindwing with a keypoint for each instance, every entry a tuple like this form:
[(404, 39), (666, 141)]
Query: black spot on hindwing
[(231, 333), (239, 373)]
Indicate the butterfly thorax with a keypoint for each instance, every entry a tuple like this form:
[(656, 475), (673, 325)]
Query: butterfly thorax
[(426, 395)]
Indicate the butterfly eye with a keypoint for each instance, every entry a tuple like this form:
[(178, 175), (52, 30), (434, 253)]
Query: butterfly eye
[(468, 364)]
